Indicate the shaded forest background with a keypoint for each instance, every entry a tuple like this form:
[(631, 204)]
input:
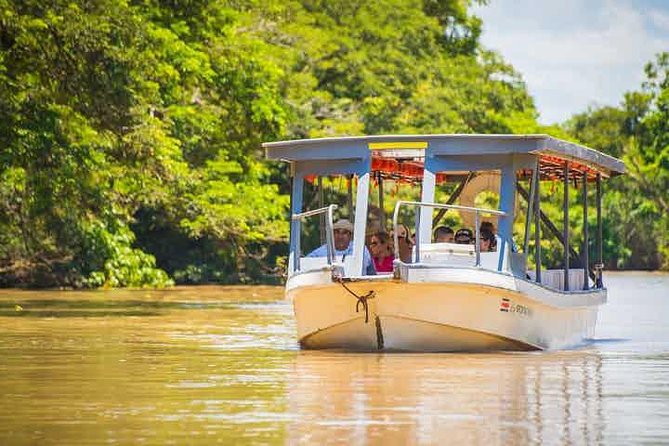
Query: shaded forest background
[(130, 130)]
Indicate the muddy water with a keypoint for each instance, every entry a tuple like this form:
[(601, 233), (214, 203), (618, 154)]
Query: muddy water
[(207, 365)]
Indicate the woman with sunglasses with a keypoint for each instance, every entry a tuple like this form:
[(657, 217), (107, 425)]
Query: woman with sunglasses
[(487, 242), (382, 252)]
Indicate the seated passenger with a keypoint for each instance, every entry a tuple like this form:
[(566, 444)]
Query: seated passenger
[(343, 233), (373, 228), (382, 252), (444, 234), (405, 243), (487, 242), (464, 236), (487, 225), (496, 239)]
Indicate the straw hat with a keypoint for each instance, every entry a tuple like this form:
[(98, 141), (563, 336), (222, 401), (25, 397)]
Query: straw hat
[(343, 224)]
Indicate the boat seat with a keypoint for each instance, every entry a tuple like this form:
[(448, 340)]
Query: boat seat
[(447, 253), (554, 278), (317, 263), (309, 263), (454, 254)]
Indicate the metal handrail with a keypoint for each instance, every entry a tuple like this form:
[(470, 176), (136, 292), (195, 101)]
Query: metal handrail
[(420, 204), (329, 235)]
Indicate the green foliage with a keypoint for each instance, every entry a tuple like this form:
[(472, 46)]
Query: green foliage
[(110, 111), (130, 131), (636, 206), (110, 260), (387, 66)]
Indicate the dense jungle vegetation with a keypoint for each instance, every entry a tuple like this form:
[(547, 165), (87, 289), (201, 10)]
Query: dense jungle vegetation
[(130, 130)]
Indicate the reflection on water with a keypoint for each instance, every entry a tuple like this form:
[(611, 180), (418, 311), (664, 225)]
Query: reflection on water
[(443, 399), (208, 365)]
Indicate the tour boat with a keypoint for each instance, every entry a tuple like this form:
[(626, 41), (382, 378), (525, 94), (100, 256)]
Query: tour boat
[(446, 296)]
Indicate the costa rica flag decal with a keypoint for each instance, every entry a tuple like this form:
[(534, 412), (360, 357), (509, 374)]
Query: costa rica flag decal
[(504, 305)]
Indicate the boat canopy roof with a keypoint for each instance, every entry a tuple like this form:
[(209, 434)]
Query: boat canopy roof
[(552, 153)]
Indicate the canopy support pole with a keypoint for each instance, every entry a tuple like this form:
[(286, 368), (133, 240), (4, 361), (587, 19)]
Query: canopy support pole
[(507, 201), (321, 204), (295, 225), (586, 257), (349, 199), (537, 226), (361, 205), (600, 254), (565, 225), (530, 206)]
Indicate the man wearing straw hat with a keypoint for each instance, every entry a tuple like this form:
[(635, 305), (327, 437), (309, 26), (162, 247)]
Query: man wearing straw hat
[(343, 235)]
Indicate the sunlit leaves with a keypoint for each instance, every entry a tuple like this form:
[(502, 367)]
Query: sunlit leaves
[(637, 207), (121, 122)]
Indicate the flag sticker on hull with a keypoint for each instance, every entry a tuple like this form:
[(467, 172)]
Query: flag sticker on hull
[(508, 306)]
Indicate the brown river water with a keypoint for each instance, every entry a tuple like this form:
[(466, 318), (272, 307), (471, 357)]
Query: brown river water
[(220, 365)]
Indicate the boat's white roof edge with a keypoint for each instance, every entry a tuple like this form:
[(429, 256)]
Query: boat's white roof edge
[(348, 147), (390, 138)]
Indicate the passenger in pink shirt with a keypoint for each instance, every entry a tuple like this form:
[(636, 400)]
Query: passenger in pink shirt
[(382, 252)]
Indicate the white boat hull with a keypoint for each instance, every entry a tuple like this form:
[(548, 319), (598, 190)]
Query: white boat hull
[(440, 309)]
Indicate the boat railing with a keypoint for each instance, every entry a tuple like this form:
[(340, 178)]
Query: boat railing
[(421, 204), (329, 234)]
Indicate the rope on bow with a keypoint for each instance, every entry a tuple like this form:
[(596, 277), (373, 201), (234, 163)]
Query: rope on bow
[(362, 300)]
